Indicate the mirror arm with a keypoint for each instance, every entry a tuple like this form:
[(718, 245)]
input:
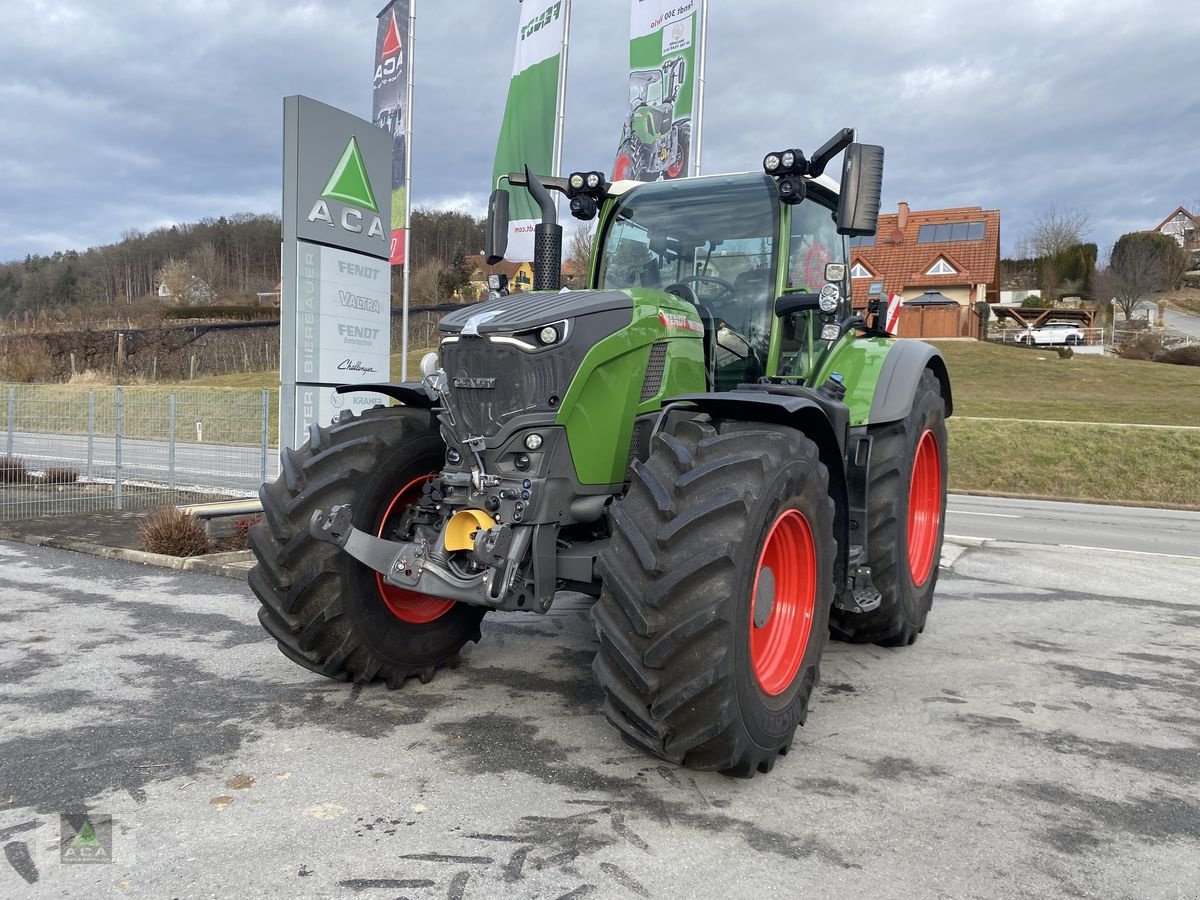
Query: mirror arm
[(830, 149)]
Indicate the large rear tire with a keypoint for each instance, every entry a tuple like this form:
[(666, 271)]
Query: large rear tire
[(717, 587), (329, 612), (906, 519)]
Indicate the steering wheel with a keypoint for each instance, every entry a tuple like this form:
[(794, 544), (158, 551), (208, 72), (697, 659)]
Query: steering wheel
[(725, 286)]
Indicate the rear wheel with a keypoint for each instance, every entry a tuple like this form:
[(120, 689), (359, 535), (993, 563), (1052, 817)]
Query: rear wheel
[(717, 589), (906, 513), (329, 612)]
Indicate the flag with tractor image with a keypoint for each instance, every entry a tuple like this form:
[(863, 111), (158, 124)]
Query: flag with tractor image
[(666, 60), (530, 132), (389, 108)]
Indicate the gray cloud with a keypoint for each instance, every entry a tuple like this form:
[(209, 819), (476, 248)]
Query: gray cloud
[(148, 113)]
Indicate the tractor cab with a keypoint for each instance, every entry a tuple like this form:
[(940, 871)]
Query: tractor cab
[(727, 245)]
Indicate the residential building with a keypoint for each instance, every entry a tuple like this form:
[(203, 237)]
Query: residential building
[(952, 252), (1184, 227)]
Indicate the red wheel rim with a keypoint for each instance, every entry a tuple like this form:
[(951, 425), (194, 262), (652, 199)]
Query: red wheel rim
[(777, 645), (408, 606), (622, 167), (924, 508), (674, 170)]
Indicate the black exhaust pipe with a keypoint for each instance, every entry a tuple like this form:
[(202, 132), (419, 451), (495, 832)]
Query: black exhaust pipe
[(547, 239)]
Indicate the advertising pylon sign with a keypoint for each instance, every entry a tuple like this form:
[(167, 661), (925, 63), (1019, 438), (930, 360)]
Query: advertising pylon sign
[(660, 138), (531, 131), (389, 110), (335, 306)]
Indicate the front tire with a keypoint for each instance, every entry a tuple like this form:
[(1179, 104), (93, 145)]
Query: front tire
[(717, 588), (327, 611), (906, 519)]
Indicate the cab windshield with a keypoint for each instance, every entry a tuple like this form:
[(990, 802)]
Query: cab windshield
[(715, 236)]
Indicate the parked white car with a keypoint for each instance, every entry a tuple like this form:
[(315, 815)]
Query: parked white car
[(1053, 333)]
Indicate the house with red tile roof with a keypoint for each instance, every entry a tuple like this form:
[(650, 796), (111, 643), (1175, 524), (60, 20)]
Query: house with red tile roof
[(914, 253)]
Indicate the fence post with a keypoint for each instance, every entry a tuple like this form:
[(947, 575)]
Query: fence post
[(91, 431), (266, 421), (12, 420), (117, 435), (171, 442)]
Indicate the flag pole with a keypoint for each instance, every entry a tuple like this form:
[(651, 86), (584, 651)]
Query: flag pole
[(561, 98), (408, 99), (700, 55)]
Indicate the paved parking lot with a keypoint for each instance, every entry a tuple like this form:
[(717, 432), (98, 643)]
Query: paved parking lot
[(1040, 739)]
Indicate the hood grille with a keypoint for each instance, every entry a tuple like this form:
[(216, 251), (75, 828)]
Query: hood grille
[(522, 383)]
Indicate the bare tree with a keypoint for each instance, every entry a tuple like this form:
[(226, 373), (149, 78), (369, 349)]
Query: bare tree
[(579, 250), (1054, 231)]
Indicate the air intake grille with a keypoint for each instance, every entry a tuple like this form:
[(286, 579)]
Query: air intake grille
[(655, 368), (491, 383)]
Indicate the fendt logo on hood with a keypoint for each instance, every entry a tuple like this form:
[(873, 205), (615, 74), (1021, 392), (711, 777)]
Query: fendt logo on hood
[(349, 184), (391, 54)]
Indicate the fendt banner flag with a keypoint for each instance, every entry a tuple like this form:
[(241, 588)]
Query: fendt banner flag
[(389, 110), (661, 134), (529, 132)]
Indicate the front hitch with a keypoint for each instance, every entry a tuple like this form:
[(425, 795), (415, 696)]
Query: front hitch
[(420, 566), (400, 563)]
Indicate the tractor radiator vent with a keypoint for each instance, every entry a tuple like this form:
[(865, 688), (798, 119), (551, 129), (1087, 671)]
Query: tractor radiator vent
[(655, 368)]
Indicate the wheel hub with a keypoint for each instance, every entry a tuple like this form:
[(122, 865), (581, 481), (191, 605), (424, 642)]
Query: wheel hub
[(764, 597)]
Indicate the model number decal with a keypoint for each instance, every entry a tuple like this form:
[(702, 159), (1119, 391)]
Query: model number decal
[(679, 322)]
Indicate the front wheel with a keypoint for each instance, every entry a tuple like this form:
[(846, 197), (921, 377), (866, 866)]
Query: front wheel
[(906, 520), (327, 611), (717, 587)]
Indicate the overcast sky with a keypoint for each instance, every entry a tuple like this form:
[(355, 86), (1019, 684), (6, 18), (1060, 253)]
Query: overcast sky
[(134, 114)]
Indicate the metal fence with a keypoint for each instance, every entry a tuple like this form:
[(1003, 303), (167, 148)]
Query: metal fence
[(69, 449)]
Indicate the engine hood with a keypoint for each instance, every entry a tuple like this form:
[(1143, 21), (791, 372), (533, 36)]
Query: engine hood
[(521, 312)]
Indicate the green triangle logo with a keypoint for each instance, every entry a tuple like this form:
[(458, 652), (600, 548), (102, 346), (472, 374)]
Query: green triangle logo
[(349, 182), (86, 837)]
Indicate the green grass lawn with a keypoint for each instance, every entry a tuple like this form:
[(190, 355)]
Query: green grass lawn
[(1013, 382)]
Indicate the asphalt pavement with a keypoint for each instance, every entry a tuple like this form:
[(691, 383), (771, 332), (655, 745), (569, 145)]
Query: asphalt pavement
[(220, 468), (1039, 739), (1075, 526)]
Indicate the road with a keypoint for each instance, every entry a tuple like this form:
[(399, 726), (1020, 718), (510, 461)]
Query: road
[(1075, 525), (1040, 739), (1185, 322), (225, 468)]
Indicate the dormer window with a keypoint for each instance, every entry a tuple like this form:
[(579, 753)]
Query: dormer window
[(860, 271), (941, 267)]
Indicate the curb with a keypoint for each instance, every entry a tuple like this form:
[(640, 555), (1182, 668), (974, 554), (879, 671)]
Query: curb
[(230, 565)]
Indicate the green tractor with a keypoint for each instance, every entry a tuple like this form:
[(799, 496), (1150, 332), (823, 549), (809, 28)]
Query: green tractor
[(706, 439)]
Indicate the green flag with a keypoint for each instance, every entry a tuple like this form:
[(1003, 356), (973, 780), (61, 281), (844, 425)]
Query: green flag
[(531, 113)]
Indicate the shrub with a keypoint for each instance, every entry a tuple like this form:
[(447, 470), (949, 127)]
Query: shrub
[(1143, 347), (12, 470), (1180, 356), (175, 533), (241, 532), (24, 361), (60, 475), (1065, 352)]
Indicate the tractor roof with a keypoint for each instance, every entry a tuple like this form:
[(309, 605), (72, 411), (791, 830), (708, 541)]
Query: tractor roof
[(619, 188)]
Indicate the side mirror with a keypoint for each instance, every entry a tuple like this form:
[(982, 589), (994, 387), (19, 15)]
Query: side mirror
[(862, 186), (496, 239), (797, 302)]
